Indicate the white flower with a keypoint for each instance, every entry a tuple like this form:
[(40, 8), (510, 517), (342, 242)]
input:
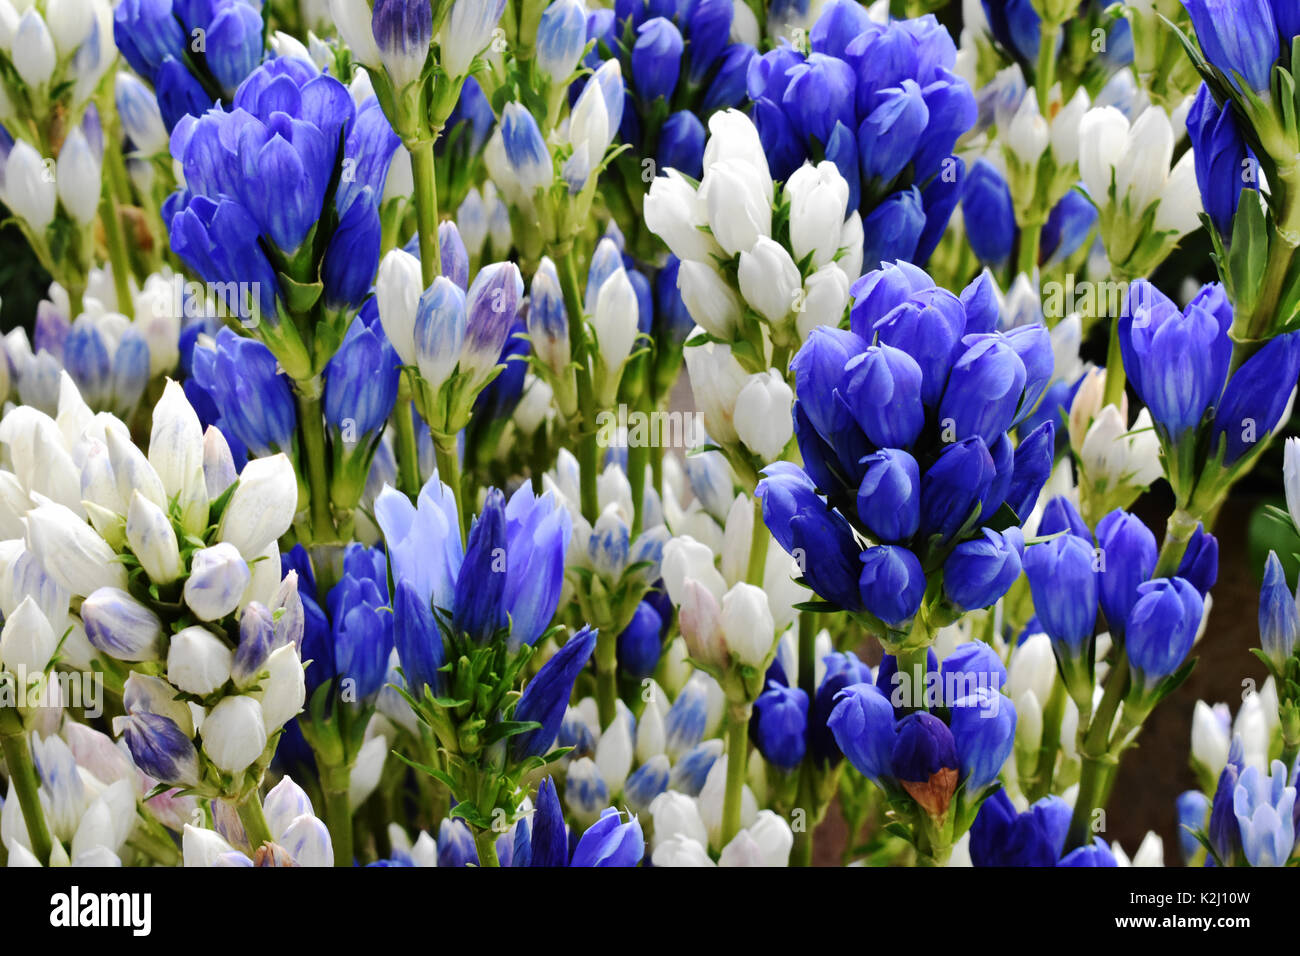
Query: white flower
[(219, 575), (674, 212), (818, 196), (769, 279), (69, 549), (747, 624), (763, 414), (198, 662), (27, 641), (739, 204), (709, 299), (233, 734), (79, 177), (398, 287), (262, 506)]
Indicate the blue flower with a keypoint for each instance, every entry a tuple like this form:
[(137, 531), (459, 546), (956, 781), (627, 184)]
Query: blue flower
[(1096, 853), (864, 728), (361, 380), (1033, 466), (456, 844), (889, 497), (1128, 549), (362, 621), (1239, 38), (1162, 628), (883, 391), (610, 842), (888, 137), (986, 204), (639, 645), (657, 59), (985, 388), (234, 44), (892, 583), (1064, 587), (1016, 26), (681, 144), (549, 836), (1279, 620), (841, 670), (255, 402), (1001, 837), (983, 726), (979, 571), (546, 696), (418, 641), (1256, 396), (779, 724), (1200, 564), (1264, 806), (925, 761), (1068, 224), (954, 487)]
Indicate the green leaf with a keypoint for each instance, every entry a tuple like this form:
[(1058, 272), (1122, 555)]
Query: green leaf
[(507, 728), (301, 296), (1248, 252)]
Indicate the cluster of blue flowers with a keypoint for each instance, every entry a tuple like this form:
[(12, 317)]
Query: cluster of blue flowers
[(883, 104), (905, 445)]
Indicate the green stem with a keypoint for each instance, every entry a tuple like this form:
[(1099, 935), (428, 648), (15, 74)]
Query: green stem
[(251, 816), (22, 774), (606, 676), (759, 539), (1095, 753), (448, 459), (425, 177), (486, 843), (117, 254), (586, 422), (737, 756), (1178, 534), (1044, 73), (1027, 260), (408, 446), (157, 848), (335, 783), (311, 425)]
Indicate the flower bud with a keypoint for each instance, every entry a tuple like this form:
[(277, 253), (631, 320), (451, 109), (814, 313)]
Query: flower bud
[(73, 554), (763, 420), (889, 498), (402, 30), (561, 38), (709, 299), (284, 689), (439, 331), (218, 578), (218, 464), (1162, 628), (159, 748), (529, 157), (746, 623), (78, 176), (197, 661), (769, 279), (892, 583), (27, 640), (818, 196), (28, 183), (176, 453), (152, 539), (700, 620), (262, 506), (121, 627), (233, 734), (398, 286), (466, 33)]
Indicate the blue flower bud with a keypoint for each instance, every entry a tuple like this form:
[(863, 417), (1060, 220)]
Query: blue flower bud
[(893, 230), (549, 838), (784, 149), (1064, 587), (984, 389), (610, 842), (1239, 37), (1068, 224), (1015, 24), (361, 382), (888, 137), (1095, 854), (255, 402), (842, 670), (362, 621), (938, 200), (727, 89), (561, 37), (539, 530), (884, 393), (1224, 832), (1193, 816), (681, 144), (456, 844), (819, 93), (353, 254), (1161, 628), (686, 719), (403, 30), (646, 782), (526, 151), (1032, 467), (1128, 552), (708, 26), (491, 306), (1003, 454), (1176, 362), (986, 204), (983, 727), (928, 327), (804, 526), (440, 329), (547, 694), (256, 641), (478, 609), (892, 583), (971, 666), (639, 645), (160, 749), (955, 486), (418, 641), (819, 372), (779, 725), (1060, 515), (146, 31), (864, 728), (1001, 837), (925, 761), (657, 59), (1200, 564), (692, 768), (881, 290), (1257, 395), (979, 572), (1279, 620), (234, 44), (838, 24), (889, 498)]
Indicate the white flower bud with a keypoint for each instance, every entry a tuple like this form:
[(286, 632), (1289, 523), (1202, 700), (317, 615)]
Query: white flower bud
[(198, 662), (27, 641), (28, 183), (121, 627), (1032, 668), (747, 624), (677, 816), (615, 320), (679, 849), (150, 534), (284, 689), (686, 559), (769, 279), (233, 734), (33, 53), (739, 204), (825, 294), (716, 381), (1209, 738), (398, 286), (79, 178), (763, 417), (176, 452), (674, 212), (218, 578), (614, 754), (709, 299), (352, 19), (262, 506), (71, 552), (818, 196), (218, 463)]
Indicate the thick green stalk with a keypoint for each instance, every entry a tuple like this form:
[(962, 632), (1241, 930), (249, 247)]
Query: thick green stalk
[(448, 459), (408, 446), (1052, 714), (737, 757), (1027, 260), (311, 425), (757, 547), (1095, 753), (335, 783), (486, 843), (22, 774), (426, 210), (586, 425), (1045, 72), (1115, 378), (251, 816), (606, 676), (1178, 534)]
